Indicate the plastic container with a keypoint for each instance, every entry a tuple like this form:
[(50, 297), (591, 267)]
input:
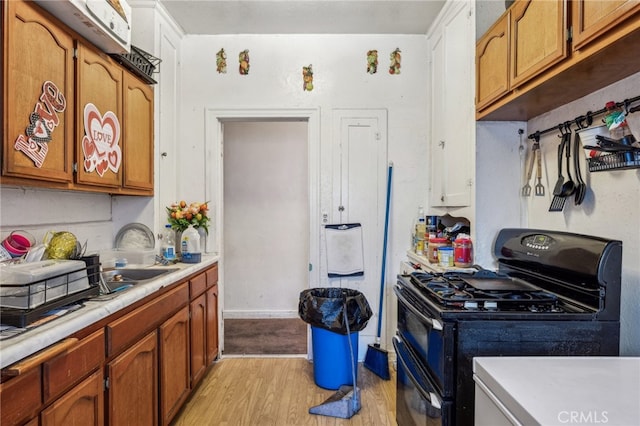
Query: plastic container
[(190, 245), (18, 243), (168, 243), (434, 245), (463, 251), (332, 366), (132, 258), (445, 256)]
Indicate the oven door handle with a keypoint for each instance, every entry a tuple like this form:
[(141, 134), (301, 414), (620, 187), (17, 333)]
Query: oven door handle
[(435, 324), (434, 400)]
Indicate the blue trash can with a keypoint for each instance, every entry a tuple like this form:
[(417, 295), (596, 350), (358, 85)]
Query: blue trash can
[(332, 366), (336, 315)]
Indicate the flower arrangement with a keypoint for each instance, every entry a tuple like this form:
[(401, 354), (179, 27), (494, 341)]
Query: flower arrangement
[(181, 215)]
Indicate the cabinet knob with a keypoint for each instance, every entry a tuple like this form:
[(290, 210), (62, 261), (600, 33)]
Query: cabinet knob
[(164, 154), (341, 208)]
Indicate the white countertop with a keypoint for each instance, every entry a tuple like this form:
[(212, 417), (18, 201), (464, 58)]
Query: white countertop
[(564, 390), (21, 346)]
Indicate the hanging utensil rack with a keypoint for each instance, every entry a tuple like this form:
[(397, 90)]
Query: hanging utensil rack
[(612, 161)]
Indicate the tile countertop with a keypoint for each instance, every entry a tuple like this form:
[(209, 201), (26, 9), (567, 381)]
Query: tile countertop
[(21, 346)]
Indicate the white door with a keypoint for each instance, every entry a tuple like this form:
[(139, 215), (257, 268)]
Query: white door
[(359, 196)]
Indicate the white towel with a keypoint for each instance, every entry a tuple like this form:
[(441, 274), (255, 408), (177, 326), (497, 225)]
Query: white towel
[(345, 256)]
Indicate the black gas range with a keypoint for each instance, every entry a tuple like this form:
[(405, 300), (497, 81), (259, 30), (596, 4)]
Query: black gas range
[(554, 293)]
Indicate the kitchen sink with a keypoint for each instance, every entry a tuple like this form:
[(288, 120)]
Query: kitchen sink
[(122, 279)]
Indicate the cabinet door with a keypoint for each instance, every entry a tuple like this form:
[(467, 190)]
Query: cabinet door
[(138, 134), (174, 364), (82, 405), (453, 123), (538, 38), (212, 324), (591, 19), (198, 338), (20, 397), (492, 63), (133, 385), (38, 95), (98, 119)]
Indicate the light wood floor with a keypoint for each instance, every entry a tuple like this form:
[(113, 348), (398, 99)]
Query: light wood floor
[(280, 391)]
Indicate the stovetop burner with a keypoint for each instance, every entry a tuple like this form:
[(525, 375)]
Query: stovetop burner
[(484, 290)]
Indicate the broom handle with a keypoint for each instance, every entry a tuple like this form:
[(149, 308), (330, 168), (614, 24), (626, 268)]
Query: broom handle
[(384, 251)]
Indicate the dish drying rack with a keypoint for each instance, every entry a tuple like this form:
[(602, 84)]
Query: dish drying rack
[(22, 304)]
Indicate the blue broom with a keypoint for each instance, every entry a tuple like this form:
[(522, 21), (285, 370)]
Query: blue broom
[(377, 359)]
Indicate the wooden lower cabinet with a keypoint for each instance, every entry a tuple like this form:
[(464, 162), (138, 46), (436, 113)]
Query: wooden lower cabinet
[(138, 369), (174, 364), (20, 397), (212, 323), (198, 338), (132, 397), (83, 405)]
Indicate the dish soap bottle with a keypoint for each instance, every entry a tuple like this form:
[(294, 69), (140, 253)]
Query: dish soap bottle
[(190, 245)]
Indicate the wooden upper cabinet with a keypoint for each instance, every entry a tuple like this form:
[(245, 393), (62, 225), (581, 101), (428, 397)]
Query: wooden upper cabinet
[(492, 63), (538, 38), (592, 19), (138, 134), (98, 119), (38, 95)]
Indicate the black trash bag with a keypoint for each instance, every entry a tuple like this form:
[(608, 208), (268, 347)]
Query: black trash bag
[(325, 308)]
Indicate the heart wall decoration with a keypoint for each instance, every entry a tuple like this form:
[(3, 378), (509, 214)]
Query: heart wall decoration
[(100, 144)]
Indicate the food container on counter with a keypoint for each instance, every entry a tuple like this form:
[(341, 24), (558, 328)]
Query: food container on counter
[(435, 243), (445, 256), (463, 251)]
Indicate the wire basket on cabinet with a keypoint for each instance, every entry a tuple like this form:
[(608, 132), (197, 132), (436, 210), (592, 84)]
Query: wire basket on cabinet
[(141, 63)]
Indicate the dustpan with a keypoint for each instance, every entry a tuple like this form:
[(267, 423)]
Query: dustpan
[(343, 404)]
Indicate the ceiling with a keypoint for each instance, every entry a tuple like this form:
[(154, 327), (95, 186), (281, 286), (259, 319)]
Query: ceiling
[(304, 16)]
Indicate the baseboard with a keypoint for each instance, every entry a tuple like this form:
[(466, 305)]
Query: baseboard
[(239, 314)]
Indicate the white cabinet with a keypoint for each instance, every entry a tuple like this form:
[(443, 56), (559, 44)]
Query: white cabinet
[(156, 33), (452, 139), (556, 390)]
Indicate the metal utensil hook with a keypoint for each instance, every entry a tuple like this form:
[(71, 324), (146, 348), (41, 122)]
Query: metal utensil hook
[(561, 127), (567, 127), (536, 137), (580, 121)]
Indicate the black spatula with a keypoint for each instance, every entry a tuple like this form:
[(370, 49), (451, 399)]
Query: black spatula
[(557, 203)]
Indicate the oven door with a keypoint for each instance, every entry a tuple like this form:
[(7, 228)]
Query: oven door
[(417, 400), (429, 338)]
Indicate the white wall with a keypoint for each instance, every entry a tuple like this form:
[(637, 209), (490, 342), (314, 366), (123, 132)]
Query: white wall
[(611, 206), (340, 81), (38, 211)]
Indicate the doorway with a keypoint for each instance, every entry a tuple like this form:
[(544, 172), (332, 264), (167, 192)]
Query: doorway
[(264, 184)]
